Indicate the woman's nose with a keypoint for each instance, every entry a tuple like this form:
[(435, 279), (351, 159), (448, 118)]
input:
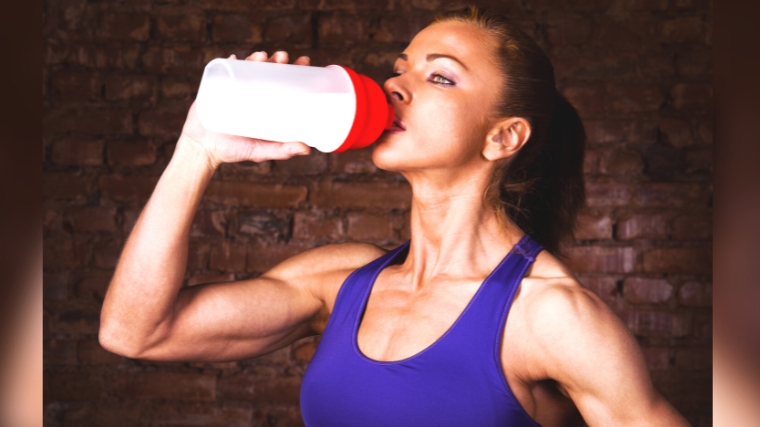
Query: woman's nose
[(396, 89)]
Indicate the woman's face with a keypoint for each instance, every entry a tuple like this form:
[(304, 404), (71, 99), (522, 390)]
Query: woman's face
[(444, 88)]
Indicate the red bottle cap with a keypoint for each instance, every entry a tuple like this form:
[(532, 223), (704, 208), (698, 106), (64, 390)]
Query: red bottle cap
[(373, 113)]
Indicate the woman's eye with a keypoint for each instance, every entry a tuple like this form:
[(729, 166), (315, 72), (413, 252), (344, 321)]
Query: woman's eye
[(437, 78), (392, 74)]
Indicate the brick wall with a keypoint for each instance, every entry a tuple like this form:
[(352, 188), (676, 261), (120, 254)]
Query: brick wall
[(118, 79)]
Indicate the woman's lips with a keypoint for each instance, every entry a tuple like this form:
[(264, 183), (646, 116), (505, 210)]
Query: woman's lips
[(398, 125)]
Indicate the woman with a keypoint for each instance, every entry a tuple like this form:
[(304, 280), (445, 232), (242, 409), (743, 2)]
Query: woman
[(472, 322)]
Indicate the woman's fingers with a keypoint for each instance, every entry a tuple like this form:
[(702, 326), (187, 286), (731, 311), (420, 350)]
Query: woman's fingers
[(267, 150), (302, 60), (280, 57)]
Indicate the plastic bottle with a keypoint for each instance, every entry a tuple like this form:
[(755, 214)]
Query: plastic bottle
[(329, 108)]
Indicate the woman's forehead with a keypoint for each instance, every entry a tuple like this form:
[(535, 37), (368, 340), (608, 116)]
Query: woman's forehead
[(453, 38)]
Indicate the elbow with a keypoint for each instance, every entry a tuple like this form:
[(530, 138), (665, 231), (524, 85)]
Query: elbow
[(116, 341)]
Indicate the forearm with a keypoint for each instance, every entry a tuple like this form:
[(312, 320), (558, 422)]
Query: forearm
[(140, 301)]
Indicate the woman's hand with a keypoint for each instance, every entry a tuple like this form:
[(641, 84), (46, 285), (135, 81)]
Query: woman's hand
[(222, 148)]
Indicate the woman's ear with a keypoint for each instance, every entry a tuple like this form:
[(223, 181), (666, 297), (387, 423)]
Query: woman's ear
[(506, 138)]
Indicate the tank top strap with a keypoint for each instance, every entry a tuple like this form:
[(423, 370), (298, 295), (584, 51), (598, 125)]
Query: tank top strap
[(351, 293), (480, 327)]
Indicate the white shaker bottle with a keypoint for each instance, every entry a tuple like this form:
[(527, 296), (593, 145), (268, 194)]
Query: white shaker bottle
[(329, 108)]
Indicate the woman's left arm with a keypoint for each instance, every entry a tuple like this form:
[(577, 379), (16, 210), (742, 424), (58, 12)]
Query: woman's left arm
[(585, 347)]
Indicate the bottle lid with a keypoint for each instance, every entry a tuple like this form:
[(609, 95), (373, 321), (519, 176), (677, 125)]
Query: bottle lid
[(373, 113)]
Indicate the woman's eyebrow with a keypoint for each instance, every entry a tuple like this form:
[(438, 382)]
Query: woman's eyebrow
[(434, 56)]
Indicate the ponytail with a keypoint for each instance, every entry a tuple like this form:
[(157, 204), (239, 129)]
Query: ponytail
[(541, 189)]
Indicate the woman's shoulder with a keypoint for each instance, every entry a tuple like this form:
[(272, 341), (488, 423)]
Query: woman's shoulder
[(328, 260)]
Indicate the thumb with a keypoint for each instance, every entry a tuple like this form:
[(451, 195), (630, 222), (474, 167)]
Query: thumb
[(267, 150)]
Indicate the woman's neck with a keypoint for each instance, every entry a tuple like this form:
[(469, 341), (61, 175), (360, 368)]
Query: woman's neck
[(455, 234)]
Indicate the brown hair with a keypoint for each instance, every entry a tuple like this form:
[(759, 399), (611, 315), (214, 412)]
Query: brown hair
[(541, 189)]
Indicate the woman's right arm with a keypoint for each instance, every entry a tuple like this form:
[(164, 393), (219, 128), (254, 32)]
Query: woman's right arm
[(147, 315)]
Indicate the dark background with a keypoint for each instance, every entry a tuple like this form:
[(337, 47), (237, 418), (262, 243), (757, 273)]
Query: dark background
[(118, 78)]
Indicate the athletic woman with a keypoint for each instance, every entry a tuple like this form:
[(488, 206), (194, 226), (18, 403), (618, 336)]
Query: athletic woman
[(474, 322)]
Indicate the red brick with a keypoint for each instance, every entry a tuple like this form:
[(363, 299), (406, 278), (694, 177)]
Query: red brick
[(106, 254), (92, 218), (658, 323), (657, 67), (366, 195), (128, 219), (64, 186), (308, 226), (74, 386), (637, 98), (228, 256), (313, 164), (59, 352), (683, 29), (352, 161), (705, 131), (305, 351), (61, 254), (593, 67), (121, 87), (646, 5), (249, 388), (203, 278), (695, 64), (569, 31), (127, 188), (178, 87), (187, 386), (672, 195), (363, 227), (197, 255), (131, 153), (600, 259), (240, 193), (90, 352), (104, 413), (250, 5), (180, 59), (604, 131), (613, 194), (676, 132), (691, 96), (125, 26), (294, 28), (165, 123), (89, 120), (396, 28), (181, 24), (76, 86), (657, 358), (623, 33), (77, 321), (209, 223), (591, 161), (342, 29), (643, 227), (594, 227), (262, 257), (93, 284), (694, 358), (236, 28), (621, 161), (678, 260), (605, 287), (643, 290), (75, 151), (112, 54), (589, 101), (695, 294), (699, 160), (171, 415), (55, 286), (692, 227)]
